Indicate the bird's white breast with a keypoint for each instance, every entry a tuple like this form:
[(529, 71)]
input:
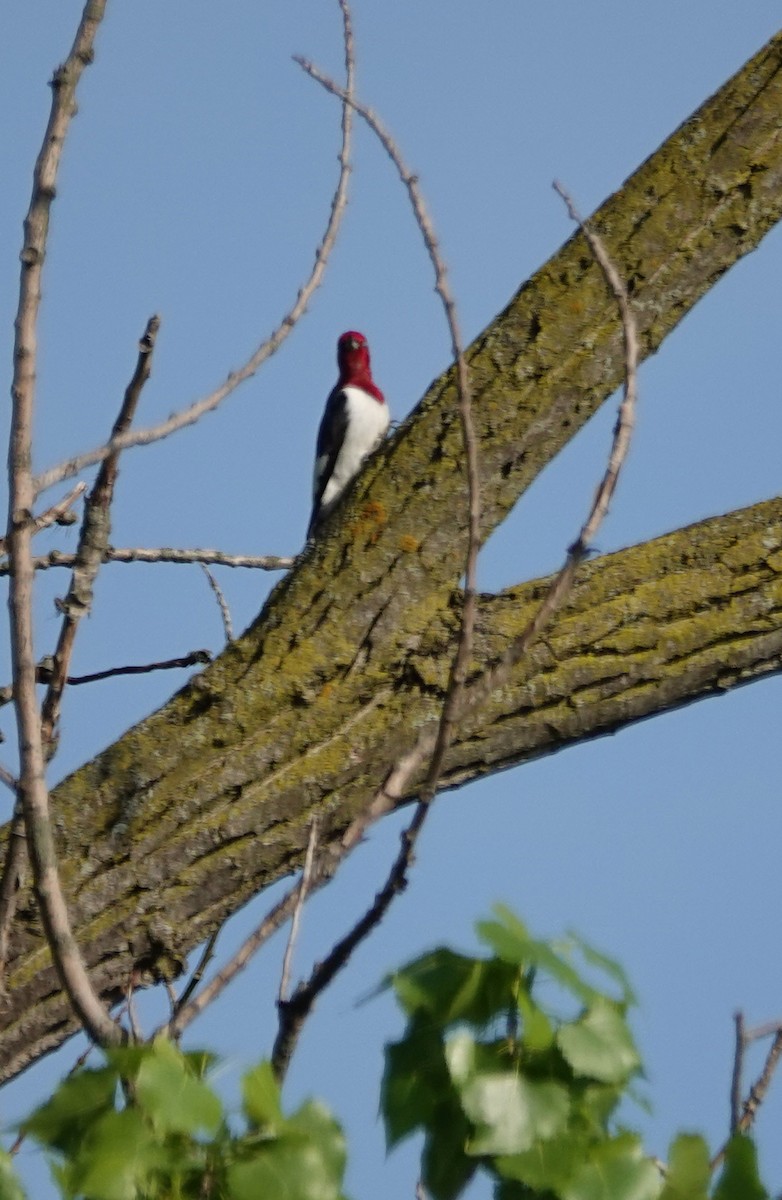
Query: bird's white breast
[(367, 422)]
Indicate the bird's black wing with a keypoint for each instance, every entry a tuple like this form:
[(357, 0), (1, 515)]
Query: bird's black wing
[(331, 435)]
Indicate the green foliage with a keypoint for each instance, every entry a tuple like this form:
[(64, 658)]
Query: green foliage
[(147, 1126), (516, 1064)]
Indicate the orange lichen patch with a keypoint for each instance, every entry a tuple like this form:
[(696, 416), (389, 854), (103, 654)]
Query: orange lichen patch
[(370, 520), (326, 690), (409, 544)]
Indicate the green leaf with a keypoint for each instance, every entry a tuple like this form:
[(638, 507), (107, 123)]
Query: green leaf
[(615, 1170), (547, 1166), (175, 1101), (509, 1112), (415, 1083), (609, 966), (599, 1045), (10, 1187), (306, 1163), (445, 1167), (261, 1096), (509, 939), (314, 1122), (449, 987), (61, 1121), (689, 1172), (117, 1156), (740, 1179), (537, 1032)]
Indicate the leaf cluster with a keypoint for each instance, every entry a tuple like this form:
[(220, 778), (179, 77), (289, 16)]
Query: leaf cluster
[(516, 1064), (148, 1126)]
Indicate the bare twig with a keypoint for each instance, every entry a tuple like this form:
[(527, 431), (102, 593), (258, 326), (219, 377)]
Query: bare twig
[(8, 779), (400, 775), (756, 1095), (32, 784), (762, 1031), (93, 540), (46, 666), (273, 920), (759, 1089), (130, 1006), (194, 412), (306, 876), (463, 653), (738, 1064), (58, 514), (12, 881), (294, 1012), (194, 658), (177, 1004), (165, 554), (222, 603)]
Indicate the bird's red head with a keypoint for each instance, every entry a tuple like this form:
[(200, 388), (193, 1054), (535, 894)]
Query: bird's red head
[(354, 365), (353, 355)]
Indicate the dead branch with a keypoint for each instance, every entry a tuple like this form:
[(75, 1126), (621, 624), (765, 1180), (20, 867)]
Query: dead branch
[(222, 604), (32, 785), (59, 513), (757, 1093), (194, 412), (194, 658), (93, 540), (294, 1011), (738, 1064), (165, 554), (303, 891)]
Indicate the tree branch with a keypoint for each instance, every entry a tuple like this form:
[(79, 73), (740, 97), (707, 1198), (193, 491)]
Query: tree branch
[(32, 784), (93, 541), (165, 554)]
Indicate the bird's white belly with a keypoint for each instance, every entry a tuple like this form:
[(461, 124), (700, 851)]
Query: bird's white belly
[(367, 424)]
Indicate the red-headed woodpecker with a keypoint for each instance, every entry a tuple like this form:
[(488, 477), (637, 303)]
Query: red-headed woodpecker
[(354, 423)]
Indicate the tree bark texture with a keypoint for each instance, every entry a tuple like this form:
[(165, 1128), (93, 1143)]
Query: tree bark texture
[(207, 801)]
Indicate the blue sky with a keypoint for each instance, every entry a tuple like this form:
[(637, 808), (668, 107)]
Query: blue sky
[(195, 184)]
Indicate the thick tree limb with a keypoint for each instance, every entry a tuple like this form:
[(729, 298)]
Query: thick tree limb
[(155, 861), (197, 808)]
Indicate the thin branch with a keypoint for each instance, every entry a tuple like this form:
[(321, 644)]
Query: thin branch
[(59, 513), (296, 919), (45, 667), (165, 554), (194, 412), (208, 954), (222, 603), (762, 1031), (756, 1095), (490, 680), (458, 674), (194, 658), (9, 779), (738, 1064), (12, 879), (93, 540), (295, 1011), (32, 784), (274, 919)]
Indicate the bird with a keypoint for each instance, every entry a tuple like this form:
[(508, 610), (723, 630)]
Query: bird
[(354, 422)]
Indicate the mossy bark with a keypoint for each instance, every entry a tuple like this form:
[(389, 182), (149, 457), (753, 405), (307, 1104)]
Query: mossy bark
[(207, 801)]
